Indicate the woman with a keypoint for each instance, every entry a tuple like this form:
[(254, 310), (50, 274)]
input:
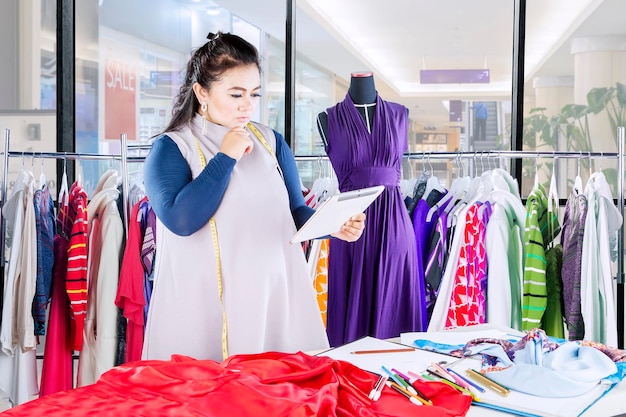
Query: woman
[(226, 189)]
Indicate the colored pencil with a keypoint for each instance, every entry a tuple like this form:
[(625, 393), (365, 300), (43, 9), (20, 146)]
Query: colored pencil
[(467, 381), (412, 397), (490, 383), (364, 352)]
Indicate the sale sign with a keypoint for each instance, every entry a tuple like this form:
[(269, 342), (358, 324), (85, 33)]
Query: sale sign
[(120, 92)]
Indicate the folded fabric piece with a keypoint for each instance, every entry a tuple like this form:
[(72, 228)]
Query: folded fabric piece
[(535, 365), (272, 383)]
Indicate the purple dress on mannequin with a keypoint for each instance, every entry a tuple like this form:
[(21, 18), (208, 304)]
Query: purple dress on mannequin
[(373, 287)]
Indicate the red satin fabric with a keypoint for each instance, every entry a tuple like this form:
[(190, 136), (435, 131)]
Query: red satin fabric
[(266, 384)]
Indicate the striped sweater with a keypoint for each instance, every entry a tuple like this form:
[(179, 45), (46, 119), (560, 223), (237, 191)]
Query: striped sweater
[(76, 282), (541, 228)]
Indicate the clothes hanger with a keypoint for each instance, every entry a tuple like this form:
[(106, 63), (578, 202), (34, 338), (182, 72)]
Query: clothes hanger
[(449, 195), (316, 187), (536, 183), (432, 183), (79, 172), (42, 176), (553, 199), (578, 182), (471, 189)]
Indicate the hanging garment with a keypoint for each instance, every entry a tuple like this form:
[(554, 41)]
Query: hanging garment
[(320, 282), (505, 252), (148, 252), (436, 260), (106, 234), (542, 226), (130, 295), (372, 285), (57, 367), (572, 237), (468, 305), (76, 280), (268, 297), (18, 366), (552, 321), (424, 230), (596, 288), (44, 217), (492, 186)]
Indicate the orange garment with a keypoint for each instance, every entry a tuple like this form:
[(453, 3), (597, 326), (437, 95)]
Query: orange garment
[(320, 283)]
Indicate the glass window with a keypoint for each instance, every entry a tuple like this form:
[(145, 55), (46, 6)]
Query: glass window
[(449, 56), (574, 91), (129, 69), (439, 65), (28, 85)]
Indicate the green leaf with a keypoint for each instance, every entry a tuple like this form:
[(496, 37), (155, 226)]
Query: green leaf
[(598, 98), (621, 95)]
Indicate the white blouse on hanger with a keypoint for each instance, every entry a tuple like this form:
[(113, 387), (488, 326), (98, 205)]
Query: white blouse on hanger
[(601, 224)]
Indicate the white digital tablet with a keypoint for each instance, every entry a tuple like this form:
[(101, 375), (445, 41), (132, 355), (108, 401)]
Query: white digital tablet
[(335, 211)]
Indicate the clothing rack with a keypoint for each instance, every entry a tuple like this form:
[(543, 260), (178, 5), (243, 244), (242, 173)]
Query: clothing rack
[(619, 155), (75, 156), (124, 159)]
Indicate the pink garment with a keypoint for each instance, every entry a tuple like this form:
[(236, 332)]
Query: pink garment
[(130, 294), (468, 300), (56, 372)]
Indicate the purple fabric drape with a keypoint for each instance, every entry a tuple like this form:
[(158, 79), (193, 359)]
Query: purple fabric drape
[(373, 285)]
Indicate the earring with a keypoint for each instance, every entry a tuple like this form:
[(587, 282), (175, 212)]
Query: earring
[(203, 109)]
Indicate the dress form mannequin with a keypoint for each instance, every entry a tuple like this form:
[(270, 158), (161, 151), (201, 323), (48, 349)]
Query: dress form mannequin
[(372, 288), (363, 93)]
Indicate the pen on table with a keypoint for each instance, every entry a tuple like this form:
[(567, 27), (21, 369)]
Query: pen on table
[(410, 383), (417, 377), (399, 380), (490, 383), (452, 384), (457, 378), (443, 372), (378, 388), (363, 352), (413, 398), (439, 374), (506, 410), (427, 377), (467, 381), (373, 391)]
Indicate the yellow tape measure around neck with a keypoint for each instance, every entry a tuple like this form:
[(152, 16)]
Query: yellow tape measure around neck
[(213, 226), (267, 146), (218, 264)]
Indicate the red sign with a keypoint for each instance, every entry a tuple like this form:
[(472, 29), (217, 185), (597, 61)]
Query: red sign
[(120, 92)]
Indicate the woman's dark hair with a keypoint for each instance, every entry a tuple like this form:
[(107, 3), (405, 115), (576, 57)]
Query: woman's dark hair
[(207, 64)]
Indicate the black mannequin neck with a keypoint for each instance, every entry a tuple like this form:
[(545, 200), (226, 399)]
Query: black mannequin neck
[(362, 89)]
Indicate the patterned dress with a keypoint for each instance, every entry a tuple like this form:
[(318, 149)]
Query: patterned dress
[(372, 283)]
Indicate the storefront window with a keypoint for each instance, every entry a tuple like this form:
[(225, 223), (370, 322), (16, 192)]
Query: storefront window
[(138, 65), (439, 67), (575, 90), (129, 58)]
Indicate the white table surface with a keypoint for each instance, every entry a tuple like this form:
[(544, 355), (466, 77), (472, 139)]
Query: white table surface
[(611, 404)]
